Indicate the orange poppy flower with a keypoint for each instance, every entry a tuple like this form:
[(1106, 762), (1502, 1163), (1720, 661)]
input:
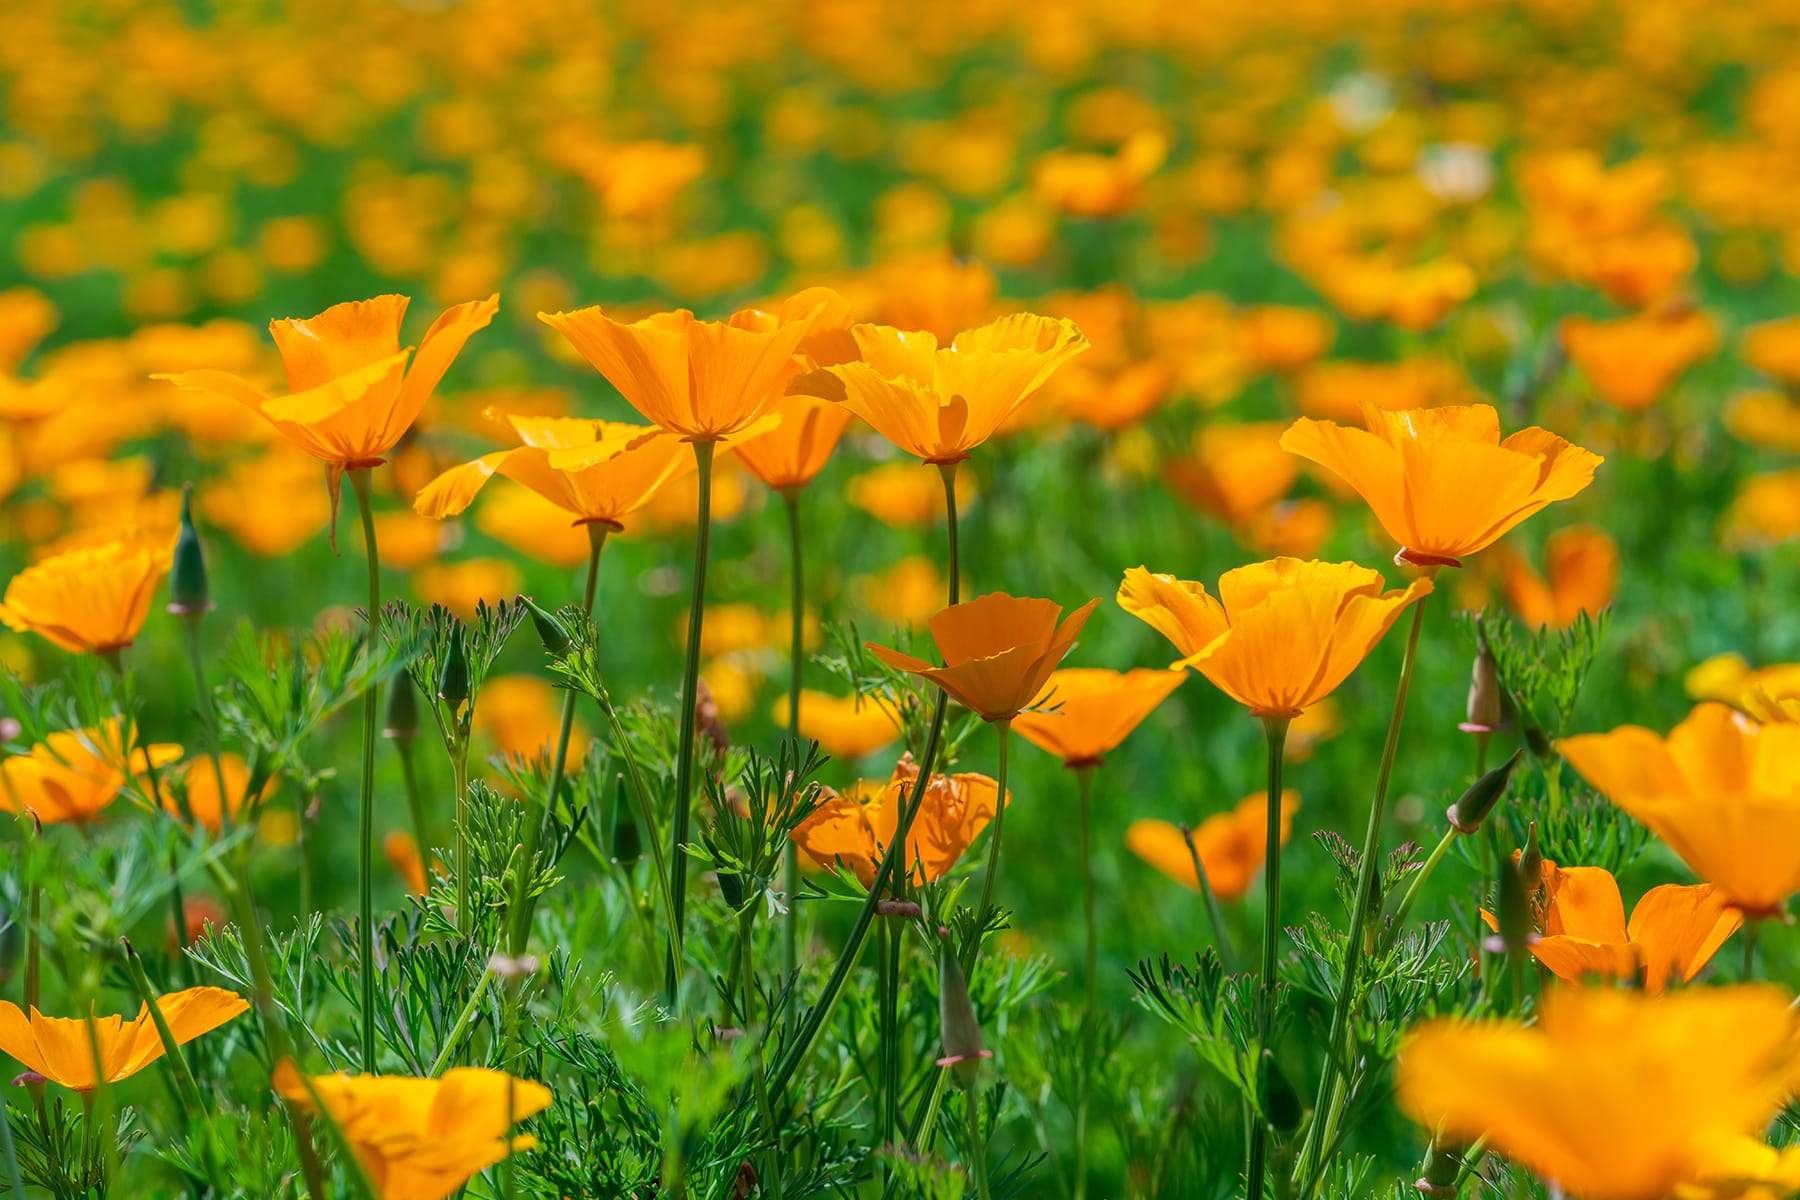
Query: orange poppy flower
[(1633, 361), (788, 456), (514, 514), (76, 774), (1766, 418), (1099, 185), (940, 403), (203, 800), (854, 831), (1773, 348), (422, 1139), (1722, 791), (523, 714), (1236, 470), (598, 472), (1232, 845), (904, 493), (1581, 574), (1770, 693), (1282, 635), (90, 600), (1279, 338), (848, 728), (1095, 710), (61, 1049), (998, 651), (1614, 1095), (1441, 481)]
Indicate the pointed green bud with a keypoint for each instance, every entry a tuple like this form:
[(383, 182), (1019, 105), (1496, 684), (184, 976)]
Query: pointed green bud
[(1473, 806), (550, 629), (956, 1013), (189, 595), (453, 676), (1531, 861), (402, 709), (1441, 1169), (1484, 708), (1514, 918)]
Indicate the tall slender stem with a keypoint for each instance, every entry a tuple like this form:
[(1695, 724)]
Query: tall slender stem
[(1414, 889), (1752, 927), (459, 779), (948, 471), (1215, 916), (360, 484), (977, 1143), (690, 679), (1084, 779), (790, 877), (985, 912), (1275, 734), (1311, 1165), (747, 978), (185, 1087)]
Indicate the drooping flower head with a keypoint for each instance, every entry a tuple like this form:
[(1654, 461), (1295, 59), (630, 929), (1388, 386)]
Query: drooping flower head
[(90, 600), (1085, 712), (61, 1049)]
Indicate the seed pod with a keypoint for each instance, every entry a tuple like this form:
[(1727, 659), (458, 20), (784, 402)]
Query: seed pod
[(189, 594), (961, 1030), (1473, 806), (550, 629), (402, 709), (453, 676), (1484, 708)]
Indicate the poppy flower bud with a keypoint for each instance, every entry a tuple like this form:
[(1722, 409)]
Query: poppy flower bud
[(550, 629), (189, 595), (1438, 1173), (956, 1014), (1514, 918), (1538, 742), (731, 886), (1473, 806), (1484, 710), (453, 676), (1531, 860), (402, 709)]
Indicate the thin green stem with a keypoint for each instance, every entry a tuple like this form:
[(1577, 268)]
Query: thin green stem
[(977, 1143), (985, 912), (459, 779), (747, 979), (1214, 914), (1084, 779), (790, 876), (948, 471), (884, 1007), (454, 1037), (1752, 927), (360, 478), (646, 814), (186, 1089), (1275, 735), (685, 715), (1413, 889)]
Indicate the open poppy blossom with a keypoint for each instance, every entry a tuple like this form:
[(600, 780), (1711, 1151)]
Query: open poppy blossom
[(62, 1049), (854, 831), (75, 775), (1231, 844), (1093, 710), (90, 600)]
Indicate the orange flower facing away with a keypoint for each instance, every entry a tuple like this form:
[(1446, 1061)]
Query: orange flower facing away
[(939, 403), (1633, 361), (598, 472), (403, 855), (704, 380), (1581, 575), (1091, 710), (61, 1049), (1232, 845), (1282, 635), (848, 728), (1614, 1095), (1441, 481), (76, 774), (1774, 349), (202, 791), (90, 600), (998, 651), (422, 1139), (1722, 791), (854, 831)]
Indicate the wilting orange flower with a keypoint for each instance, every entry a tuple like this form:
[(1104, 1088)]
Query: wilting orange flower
[(61, 1049), (704, 380), (1722, 791), (1099, 185), (998, 651), (1441, 481), (1774, 349), (421, 1139), (1614, 1095), (1581, 574), (351, 396), (940, 403), (1282, 635), (1094, 710), (1232, 845), (202, 785), (1633, 361), (76, 774), (90, 600), (854, 831), (403, 855), (598, 472), (847, 727)]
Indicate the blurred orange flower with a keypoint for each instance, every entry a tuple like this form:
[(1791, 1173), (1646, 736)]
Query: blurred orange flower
[(902, 494), (854, 831), (1774, 349), (75, 774), (403, 856), (1633, 361), (523, 714), (202, 791), (1099, 185), (1094, 709), (1581, 566), (1232, 845), (63, 1049), (847, 728), (90, 600)]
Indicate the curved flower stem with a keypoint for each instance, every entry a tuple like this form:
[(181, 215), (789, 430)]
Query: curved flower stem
[(690, 679), (1275, 734), (360, 484), (985, 912), (1214, 914), (790, 878), (1311, 1164), (185, 1087), (948, 471)]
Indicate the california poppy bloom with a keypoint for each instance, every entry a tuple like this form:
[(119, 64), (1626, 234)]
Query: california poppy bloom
[(75, 775), (848, 728), (1441, 481), (61, 1049), (1092, 710), (1614, 1095), (1283, 634), (422, 1139), (998, 651), (90, 600), (939, 403), (1580, 576), (1099, 185), (1722, 791), (854, 831), (1232, 844), (787, 457), (1770, 693), (1773, 348), (1633, 361)]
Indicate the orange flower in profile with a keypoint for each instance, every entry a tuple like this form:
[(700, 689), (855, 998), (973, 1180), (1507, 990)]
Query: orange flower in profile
[(1099, 185), (1633, 361), (1773, 348), (847, 727), (61, 1049), (1613, 1095), (940, 403), (1092, 710), (598, 472), (76, 774), (203, 799), (1441, 481), (998, 651), (90, 600), (1581, 575), (1722, 791), (1282, 635), (422, 1139), (1232, 845), (854, 831)]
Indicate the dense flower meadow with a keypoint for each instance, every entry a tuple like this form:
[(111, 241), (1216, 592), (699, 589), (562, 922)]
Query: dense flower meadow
[(838, 598)]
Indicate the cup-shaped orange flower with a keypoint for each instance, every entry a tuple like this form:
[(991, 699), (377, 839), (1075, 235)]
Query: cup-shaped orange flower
[(1282, 635), (91, 600), (422, 1139), (1442, 481), (938, 403), (1722, 791), (1232, 845), (76, 774), (1614, 1095), (1085, 712), (854, 831), (788, 456), (847, 728), (61, 1049), (599, 472), (998, 651)]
